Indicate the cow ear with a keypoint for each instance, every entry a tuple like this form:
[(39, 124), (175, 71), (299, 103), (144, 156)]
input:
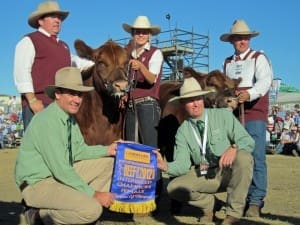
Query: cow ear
[(83, 50)]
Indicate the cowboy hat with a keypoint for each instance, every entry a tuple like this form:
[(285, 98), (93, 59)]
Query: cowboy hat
[(239, 27), (141, 22), (44, 9), (68, 78), (190, 88)]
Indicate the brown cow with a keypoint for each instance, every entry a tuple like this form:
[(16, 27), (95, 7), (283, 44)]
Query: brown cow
[(100, 117), (173, 114)]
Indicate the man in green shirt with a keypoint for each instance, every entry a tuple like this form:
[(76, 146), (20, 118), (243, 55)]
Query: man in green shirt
[(212, 153), (62, 179)]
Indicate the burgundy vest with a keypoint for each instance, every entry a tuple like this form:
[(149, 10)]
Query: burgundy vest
[(143, 88), (50, 56)]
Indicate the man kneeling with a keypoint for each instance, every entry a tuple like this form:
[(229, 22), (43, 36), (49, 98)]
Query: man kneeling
[(212, 153)]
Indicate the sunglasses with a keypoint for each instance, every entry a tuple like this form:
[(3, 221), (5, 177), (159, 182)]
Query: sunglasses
[(141, 31)]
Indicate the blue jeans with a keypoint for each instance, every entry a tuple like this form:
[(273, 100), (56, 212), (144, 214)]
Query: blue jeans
[(148, 116), (258, 188), (27, 115)]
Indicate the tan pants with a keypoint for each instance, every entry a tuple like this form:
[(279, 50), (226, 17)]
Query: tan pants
[(61, 204), (199, 191)]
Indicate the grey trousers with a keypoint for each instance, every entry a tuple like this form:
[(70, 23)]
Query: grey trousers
[(199, 192), (61, 204)]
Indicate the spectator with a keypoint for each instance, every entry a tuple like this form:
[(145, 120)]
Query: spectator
[(256, 72), (38, 55), (209, 160), (70, 180), (285, 140)]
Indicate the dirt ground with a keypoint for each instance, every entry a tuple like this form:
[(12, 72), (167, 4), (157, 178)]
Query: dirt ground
[(282, 206)]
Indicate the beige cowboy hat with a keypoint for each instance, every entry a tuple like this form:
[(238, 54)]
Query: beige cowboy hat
[(141, 22), (239, 27), (190, 88), (44, 9), (68, 78)]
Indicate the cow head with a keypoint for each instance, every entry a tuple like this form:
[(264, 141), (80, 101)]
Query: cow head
[(109, 73), (224, 88)]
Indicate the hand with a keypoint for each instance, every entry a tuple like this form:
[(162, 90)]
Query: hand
[(135, 64), (36, 106), (104, 198), (243, 96), (112, 149), (228, 157), (123, 101), (161, 164)]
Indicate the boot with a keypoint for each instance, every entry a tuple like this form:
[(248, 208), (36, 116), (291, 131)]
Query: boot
[(230, 220), (207, 218), (253, 211)]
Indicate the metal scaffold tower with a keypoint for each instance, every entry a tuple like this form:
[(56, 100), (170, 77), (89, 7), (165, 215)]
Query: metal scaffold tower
[(180, 49)]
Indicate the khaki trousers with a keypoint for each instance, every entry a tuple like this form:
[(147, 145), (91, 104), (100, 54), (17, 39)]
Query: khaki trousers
[(61, 204), (199, 191)]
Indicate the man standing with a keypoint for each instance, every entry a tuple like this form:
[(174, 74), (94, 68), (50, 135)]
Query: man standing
[(212, 153), (62, 179), (38, 55), (255, 70)]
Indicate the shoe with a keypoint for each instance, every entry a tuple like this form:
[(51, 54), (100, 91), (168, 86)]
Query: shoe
[(253, 211), (176, 207), (32, 217), (230, 220), (207, 218), (295, 153)]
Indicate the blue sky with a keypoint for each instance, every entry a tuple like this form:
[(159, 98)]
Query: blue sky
[(96, 21)]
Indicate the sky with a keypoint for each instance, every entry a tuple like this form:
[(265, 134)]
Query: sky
[(96, 21)]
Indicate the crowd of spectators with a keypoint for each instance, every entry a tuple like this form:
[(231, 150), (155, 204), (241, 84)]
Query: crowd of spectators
[(11, 125), (283, 131)]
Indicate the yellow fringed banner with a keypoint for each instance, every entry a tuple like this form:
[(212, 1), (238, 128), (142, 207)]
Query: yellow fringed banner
[(139, 207), (134, 178)]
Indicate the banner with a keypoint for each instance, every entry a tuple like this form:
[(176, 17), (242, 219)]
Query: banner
[(134, 178)]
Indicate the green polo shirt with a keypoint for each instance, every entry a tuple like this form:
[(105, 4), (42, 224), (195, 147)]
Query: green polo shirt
[(44, 150), (223, 130)]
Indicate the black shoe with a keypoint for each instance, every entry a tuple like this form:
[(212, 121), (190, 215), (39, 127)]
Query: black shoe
[(176, 207)]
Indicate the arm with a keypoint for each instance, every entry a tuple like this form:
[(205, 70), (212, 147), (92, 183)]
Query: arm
[(24, 58), (155, 65), (263, 76)]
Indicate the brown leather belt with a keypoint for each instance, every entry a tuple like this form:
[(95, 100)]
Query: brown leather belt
[(23, 185)]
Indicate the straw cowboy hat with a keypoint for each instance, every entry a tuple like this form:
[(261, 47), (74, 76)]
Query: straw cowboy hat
[(141, 22), (190, 88), (239, 27), (68, 78), (44, 9)]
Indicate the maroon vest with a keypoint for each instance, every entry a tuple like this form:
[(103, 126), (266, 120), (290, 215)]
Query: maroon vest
[(143, 88), (50, 56)]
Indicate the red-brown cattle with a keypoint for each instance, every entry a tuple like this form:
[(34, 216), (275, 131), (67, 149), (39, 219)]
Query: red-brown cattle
[(100, 117)]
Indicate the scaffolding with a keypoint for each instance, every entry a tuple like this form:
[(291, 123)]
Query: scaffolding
[(180, 49)]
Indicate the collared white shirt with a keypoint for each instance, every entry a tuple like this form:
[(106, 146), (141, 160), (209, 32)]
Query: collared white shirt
[(256, 75), (24, 59)]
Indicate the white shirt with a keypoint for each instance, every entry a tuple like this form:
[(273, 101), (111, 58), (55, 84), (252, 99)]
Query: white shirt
[(24, 59), (256, 75), (155, 61)]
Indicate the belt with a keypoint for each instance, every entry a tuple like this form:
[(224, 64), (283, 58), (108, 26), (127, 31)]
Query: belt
[(23, 185), (143, 99)]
